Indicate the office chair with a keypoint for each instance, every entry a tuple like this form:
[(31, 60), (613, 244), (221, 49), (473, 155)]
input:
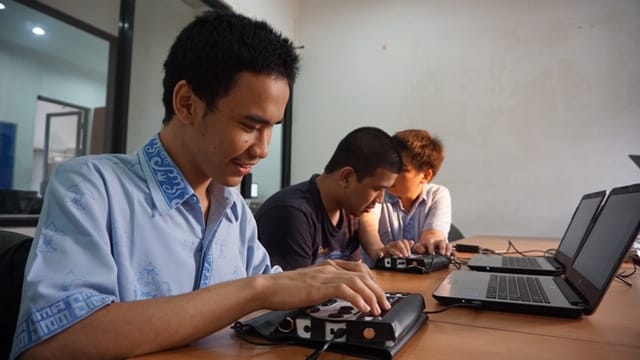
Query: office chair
[(455, 233), (20, 202), (14, 249)]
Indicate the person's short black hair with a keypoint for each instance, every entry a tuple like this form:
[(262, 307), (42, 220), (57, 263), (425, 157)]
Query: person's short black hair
[(366, 150), (213, 49)]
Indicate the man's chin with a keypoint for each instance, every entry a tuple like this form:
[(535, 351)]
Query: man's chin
[(229, 181), (364, 211)]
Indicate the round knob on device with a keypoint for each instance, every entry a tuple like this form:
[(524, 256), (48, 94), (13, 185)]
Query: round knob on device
[(369, 333)]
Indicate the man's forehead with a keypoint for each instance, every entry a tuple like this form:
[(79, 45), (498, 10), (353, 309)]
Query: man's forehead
[(382, 177)]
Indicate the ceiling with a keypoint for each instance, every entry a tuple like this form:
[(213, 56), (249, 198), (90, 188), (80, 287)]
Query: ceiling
[(61, 41)]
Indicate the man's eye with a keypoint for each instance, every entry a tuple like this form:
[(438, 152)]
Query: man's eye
[(251, 127)]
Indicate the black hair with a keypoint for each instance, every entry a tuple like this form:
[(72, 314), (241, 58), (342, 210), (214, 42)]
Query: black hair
[(366, 150), (213, 49)]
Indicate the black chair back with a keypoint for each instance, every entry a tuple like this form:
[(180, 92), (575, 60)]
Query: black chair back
[(14, 249), (455, 233)]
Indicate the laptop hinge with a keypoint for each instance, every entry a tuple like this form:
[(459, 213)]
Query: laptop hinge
[(567, 291), (554, 263)]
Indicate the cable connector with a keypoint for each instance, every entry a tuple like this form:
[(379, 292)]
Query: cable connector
[(467, 248)]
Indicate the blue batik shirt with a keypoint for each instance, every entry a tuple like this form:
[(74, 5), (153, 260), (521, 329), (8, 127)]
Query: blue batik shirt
[(129, 227)]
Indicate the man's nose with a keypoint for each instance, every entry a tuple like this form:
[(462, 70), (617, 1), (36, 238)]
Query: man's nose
[(260, 147)]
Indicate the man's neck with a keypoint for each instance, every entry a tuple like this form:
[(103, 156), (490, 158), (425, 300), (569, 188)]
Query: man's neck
[(327, 190), (409, 201), (175, 148)]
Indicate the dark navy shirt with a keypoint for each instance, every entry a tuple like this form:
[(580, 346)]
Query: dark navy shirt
[(294, 227)]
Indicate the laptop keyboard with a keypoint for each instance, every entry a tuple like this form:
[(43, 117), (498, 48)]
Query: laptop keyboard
[(516, 288), (520, 262)]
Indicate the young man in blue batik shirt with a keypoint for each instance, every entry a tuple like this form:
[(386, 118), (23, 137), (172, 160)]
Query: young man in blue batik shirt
[(139, 253)]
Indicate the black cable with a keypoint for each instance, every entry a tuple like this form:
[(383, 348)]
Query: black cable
[(515, 251), (487, 251), (621, 278), (239, 329), (521, 253), (458, 263), (476, 306), (623, 275), (336, 335)]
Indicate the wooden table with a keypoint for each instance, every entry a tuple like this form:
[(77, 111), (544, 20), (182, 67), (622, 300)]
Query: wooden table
[(613, 332)]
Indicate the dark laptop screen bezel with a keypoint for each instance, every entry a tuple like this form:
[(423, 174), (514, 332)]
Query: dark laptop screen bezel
[(588, 291), (564, 259), (635, 159)]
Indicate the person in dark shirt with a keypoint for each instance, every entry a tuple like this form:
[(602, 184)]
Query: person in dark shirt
[(317, 219), (415, 211)]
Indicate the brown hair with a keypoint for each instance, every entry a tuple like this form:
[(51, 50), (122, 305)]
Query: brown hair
[(425, 151)]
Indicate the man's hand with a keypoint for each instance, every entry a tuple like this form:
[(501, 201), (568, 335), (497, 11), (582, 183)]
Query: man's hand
[(347, 280), (432, 246), (400, 248)]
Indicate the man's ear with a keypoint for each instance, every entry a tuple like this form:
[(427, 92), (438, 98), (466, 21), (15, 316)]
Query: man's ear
[(345, 174), (428, 175), (184, 102)]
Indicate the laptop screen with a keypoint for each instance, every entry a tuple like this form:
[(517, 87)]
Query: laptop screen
[(579, 225), (611, 236)]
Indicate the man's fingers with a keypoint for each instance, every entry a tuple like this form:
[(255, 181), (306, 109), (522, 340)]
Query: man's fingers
[(430, 247), (411, 243), (353, 282), (419, 248), (395, 252), (443, 247)]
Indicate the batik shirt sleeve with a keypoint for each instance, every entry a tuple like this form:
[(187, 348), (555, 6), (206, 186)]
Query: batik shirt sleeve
[(69, 273), (258, 261)]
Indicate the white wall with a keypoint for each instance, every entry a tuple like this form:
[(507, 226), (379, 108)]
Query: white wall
[(536, 102), (283, 16), (156, 25)]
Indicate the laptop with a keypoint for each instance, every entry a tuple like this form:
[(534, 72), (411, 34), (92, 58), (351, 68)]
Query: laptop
[(635, 158), (572, 239), (584, 284)]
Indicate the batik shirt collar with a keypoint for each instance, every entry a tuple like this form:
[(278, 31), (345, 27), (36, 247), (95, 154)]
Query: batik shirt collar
[(169, 188)]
